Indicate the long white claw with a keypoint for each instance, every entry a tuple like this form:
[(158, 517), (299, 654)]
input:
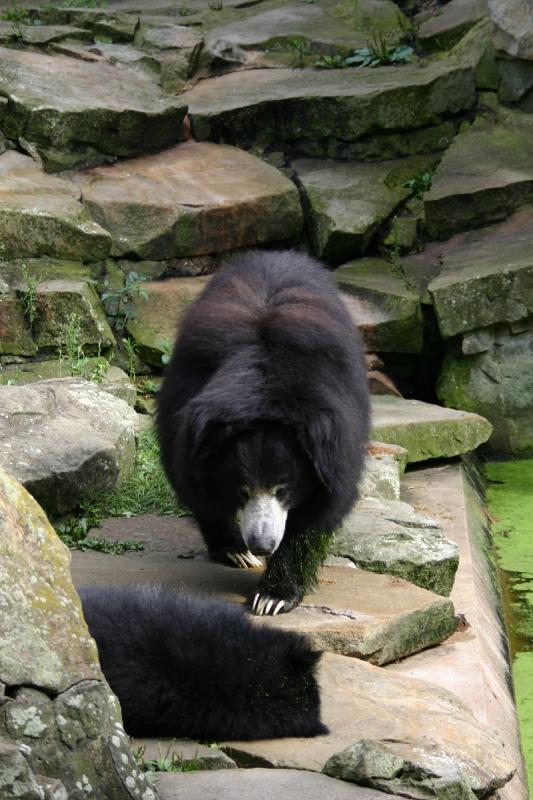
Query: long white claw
[(242, 560), (256, 600), (232, 557), (269, 606), (278, 607), (252, 560), (261, 606)]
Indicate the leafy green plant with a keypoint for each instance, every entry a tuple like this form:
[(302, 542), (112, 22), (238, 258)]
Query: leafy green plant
[(72, 355), (170, 762), (335, 61), (130, 349), (166, 346), (420, 184), (299, 49), (145, 491), (150, 386), (30, 294), (124, 298), (15, 14), (216, 5), (378, 53)]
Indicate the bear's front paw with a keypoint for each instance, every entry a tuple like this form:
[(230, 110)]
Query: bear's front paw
[(244, 560), (264, 604)]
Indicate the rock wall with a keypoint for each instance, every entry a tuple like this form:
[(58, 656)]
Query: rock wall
[(181, 133)]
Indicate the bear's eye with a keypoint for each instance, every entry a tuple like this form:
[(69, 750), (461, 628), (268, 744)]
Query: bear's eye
[(281, 492)]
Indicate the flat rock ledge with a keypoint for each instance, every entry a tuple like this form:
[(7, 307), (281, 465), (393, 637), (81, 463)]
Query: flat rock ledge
[(411, 722), (286, 106), (425, 430), (65, 440), (257, 784), (69, 112), (392, 537), (193, 199)]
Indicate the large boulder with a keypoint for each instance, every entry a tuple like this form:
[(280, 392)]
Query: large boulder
[(512, 27), (191, 200), (60, 726), (65, 439), (70, 112)]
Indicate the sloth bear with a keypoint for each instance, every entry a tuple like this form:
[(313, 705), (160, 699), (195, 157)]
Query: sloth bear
[(198, 668), (263, 418)]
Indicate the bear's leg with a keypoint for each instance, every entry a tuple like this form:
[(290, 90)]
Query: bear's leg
[(225, 543), (291, 572)]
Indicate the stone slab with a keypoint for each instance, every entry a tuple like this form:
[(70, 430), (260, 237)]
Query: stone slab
[(411, 719), (513, 27), (260, 784), (70, 112), (385, 309), (486, 173), (425, 430), (346, 203), (450, 22), (486, 277), (190, 200), (474, 662), (284, 106), (391, 537), (374, 617), (41, 215), (65, 440)]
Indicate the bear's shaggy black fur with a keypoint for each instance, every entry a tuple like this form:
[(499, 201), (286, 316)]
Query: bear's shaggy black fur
[(266, 396), (183, 666)]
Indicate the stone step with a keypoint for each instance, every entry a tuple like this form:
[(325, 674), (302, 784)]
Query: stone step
[(425, 430), (69, 112), (486, 277), (346, 203), (191, 200), (386, 311), (442, 29), (65, 440), (384, 467), (377, 618), (258, 784), (281, 107), (418, 733), (486, 174), (41, 215), (388, 536)]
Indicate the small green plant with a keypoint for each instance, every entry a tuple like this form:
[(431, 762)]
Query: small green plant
[(72, 357), (299, 49), (30, 294), (170, 762), (145, 491), (124, 298), (420, 184), (166, 346), (130, 349), (335, 61), (216, 5), (16, 15), (149, 386), (378, 53)]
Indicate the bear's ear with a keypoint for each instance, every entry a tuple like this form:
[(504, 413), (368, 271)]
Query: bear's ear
[(318, 437)]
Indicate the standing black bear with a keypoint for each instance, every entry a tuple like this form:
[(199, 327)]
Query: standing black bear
[(263, 418)]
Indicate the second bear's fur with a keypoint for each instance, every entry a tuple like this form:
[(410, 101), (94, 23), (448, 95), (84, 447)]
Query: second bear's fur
[(182, 666)]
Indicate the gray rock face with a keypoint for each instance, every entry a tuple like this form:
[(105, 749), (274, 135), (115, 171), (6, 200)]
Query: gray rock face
[(384, 467), (69, 112), (417, 722), (496, 381), (392, 537), (58, 716), (287, 106), (65, 439), (513, 27)]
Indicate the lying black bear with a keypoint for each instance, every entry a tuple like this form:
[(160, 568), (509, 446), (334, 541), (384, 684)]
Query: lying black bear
[(263, 418), (186, 667)]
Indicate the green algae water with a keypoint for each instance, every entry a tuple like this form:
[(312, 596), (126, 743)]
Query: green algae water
[(510, 501)]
